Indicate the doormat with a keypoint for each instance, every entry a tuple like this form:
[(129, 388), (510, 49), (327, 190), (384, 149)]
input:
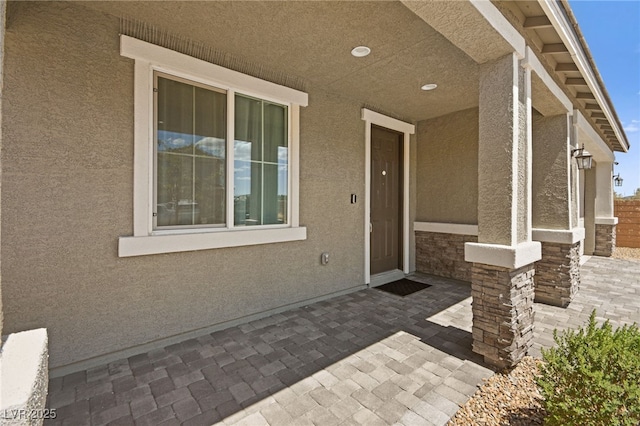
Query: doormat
[(403, 287)]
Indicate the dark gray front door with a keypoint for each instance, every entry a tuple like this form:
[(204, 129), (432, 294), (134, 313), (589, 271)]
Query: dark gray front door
[(386, 200)]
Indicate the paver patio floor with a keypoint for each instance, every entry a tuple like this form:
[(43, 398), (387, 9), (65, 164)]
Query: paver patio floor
[(364, 358)]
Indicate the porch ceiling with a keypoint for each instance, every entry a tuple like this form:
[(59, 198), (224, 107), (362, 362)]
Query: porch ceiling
[(313, 41)]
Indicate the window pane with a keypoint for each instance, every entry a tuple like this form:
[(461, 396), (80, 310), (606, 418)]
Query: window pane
[(261, 151), (209, 190), (175, 182), (248, 193), (275, 194), (248, 129), (190, 155), (283, 186), (275, 131), (175, 116), (210, 114)]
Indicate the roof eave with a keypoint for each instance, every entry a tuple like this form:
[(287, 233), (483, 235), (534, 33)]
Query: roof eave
[(564, 22)]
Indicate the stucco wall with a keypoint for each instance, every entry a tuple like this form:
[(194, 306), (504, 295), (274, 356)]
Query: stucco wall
[(550, 189), (67, 196), (3, 15), (502, 218), (447, 168)]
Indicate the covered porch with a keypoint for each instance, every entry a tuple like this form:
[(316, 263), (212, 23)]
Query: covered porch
[(486, 104), (364, 358)]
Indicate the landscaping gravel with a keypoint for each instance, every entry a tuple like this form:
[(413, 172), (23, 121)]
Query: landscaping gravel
[(626, 253), (508, 398)]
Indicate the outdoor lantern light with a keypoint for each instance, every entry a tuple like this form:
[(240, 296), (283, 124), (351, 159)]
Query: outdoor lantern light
[(617, 180), (583, 158)]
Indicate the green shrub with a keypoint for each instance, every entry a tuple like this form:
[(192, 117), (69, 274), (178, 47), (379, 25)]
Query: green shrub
[(592, 377)]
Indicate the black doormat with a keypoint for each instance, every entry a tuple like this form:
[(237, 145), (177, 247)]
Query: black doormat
[(403, 287)]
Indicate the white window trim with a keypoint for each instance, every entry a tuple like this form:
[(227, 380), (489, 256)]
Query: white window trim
[(149, 58), (374, 118)]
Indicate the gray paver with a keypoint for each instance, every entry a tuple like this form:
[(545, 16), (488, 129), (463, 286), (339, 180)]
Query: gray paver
[(366, 358), (143, 406)]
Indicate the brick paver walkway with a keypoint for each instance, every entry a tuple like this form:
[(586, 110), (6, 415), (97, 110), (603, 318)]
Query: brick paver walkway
[(366, 358)]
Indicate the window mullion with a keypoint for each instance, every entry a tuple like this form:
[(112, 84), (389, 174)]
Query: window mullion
[(262, 164), (230, 169), (193, 157)]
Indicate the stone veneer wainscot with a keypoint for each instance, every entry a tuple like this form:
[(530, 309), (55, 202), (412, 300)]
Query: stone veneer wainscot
[(442, 254)]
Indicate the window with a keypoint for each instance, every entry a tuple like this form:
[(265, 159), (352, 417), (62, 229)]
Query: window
[(190, 160), (215, 156), (261, 162), (190, 156)]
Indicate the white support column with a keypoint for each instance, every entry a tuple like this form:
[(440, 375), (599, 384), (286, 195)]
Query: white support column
[(604, 191), (552, 169), (589, 202), (504, 168), (605, 222), (597, 190), (502, 272), (557, 277)]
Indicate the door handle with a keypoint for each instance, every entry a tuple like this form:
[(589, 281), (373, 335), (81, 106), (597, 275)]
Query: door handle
[(370, 227)]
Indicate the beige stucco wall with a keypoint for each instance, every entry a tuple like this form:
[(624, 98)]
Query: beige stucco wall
[(551, 179), (503, 153), (447, 168), (67, 196), (3, 15)]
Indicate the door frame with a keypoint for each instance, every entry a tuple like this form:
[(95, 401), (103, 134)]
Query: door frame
[(374, 118)]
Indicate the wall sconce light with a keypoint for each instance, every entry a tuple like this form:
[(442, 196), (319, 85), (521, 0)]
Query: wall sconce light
[(583, 158), (617, 180)]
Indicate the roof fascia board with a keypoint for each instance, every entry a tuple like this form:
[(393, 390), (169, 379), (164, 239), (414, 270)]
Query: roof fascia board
[(503, 27), (533, 62), (560, 24)]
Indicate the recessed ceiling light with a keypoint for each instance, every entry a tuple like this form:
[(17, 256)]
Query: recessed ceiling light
[(360, 51), (429, 86)]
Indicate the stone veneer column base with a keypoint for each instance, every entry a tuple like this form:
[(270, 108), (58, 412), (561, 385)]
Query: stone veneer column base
[(557, 277), (605, 240), (502, 312)]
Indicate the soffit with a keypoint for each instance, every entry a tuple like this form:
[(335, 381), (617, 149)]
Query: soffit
[(313, 40), (529, 17)]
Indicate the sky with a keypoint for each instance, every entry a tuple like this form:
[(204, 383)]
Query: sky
[(612, 31)]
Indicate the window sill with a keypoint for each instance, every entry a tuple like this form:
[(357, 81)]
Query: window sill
[(174, 243)]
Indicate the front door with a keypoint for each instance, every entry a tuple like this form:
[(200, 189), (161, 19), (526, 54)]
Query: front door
[(386, 200)]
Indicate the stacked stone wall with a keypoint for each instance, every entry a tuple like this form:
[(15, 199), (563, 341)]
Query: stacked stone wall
[(442, 254), (557, 277), (502, 313), (605, 240)]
